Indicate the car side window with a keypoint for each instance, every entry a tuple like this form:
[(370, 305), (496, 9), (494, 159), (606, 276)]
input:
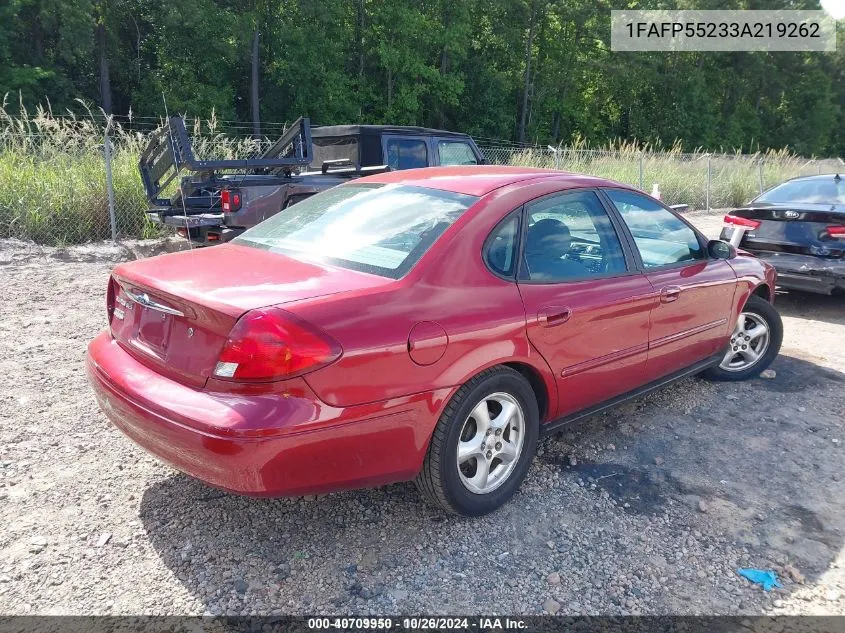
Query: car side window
[(502, 246), (455, 153), (570, 236), (661, 238), (406, 153)]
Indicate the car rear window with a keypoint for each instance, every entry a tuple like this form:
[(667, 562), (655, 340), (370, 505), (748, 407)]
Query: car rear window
[(406, 153), (334, 148), (830, 191), (373, 228)]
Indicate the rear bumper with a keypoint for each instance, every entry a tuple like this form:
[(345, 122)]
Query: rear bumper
[(203, 228), (285, 443), (806, 272)]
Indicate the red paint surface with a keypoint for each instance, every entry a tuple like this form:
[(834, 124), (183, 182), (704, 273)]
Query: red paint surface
[(427, 343), (696, 322), (600, 350), (407, 345)]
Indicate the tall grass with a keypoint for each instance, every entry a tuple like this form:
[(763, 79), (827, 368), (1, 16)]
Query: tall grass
[(53, 183), (682, 177), (53, 179)]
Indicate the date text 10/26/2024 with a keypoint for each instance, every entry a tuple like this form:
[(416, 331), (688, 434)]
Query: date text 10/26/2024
[(417, 623)]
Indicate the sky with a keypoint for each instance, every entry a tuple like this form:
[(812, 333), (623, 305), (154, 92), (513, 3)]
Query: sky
[(835, 8)]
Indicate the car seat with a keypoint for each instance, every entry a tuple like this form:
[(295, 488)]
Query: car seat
[(547, 242)]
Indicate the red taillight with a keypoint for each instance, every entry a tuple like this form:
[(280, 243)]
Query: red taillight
[(110, 295), (273, 345), (743, 222), (230, 200), (836, 231)]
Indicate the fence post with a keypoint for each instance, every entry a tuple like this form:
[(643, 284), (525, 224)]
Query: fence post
[(641, 172), (760, 174), (109, 183), (818, 168), (556, 152), (709, 176)]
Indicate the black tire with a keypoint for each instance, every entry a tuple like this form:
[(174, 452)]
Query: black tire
[(766, 311), (439, 480)]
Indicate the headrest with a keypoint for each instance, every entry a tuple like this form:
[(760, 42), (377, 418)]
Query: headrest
[(548, 237)]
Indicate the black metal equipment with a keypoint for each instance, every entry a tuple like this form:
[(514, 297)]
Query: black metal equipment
[(169, 152)]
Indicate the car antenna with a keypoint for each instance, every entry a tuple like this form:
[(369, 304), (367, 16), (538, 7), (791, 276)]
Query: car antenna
[(181, 191)]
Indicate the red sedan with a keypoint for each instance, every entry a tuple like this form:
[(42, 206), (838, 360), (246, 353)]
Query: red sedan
[(422, 325)]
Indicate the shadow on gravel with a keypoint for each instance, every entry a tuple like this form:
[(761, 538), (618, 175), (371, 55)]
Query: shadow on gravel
[(639, 491), (829, 309), (759, 461), (755, 466), (328, 548)]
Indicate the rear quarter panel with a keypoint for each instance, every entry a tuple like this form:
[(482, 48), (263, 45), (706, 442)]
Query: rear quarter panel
[(482, 315)]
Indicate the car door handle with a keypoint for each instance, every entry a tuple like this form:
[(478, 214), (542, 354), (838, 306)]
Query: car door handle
[(553, 316), (670, 294)]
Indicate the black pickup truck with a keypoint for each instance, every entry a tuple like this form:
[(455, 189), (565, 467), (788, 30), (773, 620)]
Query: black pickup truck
[(216, 200)]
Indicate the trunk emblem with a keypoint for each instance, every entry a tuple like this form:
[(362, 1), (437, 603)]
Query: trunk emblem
[(190, 332), (143, 299), (791, 214)]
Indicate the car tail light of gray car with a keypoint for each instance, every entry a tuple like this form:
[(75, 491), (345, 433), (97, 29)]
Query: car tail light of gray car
[(230, 200), (740, 226)]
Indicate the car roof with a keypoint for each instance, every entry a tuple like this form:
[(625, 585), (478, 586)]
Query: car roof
[(795, 204), (479, 180), (809, 178), (324, 131)]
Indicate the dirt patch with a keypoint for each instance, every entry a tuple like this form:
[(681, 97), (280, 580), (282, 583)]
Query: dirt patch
[(636, 490)]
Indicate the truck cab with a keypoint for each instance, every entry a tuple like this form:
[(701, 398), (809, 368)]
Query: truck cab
[(398, 147)]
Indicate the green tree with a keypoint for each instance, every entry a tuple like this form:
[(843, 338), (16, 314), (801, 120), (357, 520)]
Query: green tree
[(535, 70)]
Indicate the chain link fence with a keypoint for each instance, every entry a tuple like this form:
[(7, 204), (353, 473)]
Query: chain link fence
[(701, 180), (71, 180)]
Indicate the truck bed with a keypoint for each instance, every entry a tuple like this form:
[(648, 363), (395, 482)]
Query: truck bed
[(257, 187)]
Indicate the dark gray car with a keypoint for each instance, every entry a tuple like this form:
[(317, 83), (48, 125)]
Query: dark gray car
[(798, 227)]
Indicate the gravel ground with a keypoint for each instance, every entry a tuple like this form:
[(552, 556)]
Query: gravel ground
[(647, 509)]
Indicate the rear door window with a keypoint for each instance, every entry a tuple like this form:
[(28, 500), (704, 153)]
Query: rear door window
[(456, 153), (570, 236), (406, 153)]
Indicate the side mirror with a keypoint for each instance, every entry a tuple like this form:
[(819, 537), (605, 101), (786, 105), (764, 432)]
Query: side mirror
[(717, 249)]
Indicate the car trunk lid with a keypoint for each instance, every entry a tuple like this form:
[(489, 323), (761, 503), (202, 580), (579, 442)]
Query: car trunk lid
[(800, 229), (175, 312)]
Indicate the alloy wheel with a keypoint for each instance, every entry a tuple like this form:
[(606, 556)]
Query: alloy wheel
[(490, 443), (749, 342)]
